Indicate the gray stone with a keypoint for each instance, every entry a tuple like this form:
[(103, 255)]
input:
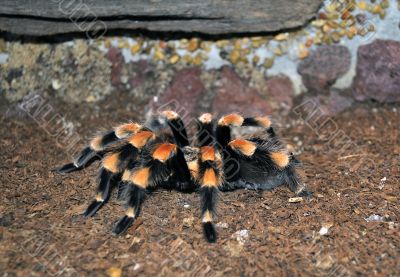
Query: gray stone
[(324, 66), (378, 72)]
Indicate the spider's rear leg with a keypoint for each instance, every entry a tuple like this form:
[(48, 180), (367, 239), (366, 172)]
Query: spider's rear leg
[(98, 147), (223, 131), (210, 179), (265, 165)]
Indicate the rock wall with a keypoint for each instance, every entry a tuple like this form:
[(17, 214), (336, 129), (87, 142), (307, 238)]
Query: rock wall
[(253, 75)]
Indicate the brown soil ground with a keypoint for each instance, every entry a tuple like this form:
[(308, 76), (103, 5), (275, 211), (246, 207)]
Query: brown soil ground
[(43, 233)]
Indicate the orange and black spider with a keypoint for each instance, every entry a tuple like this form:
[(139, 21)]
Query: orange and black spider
[(139, 159)]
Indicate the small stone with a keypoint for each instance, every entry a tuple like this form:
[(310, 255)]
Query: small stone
[(324, 66), (281, 36), (325, 262), (136, 48), (56, 84), (193, 45), (188, 221), (377, 9), (241, 236), (183, 43), (222, 225), (114, 272), (255, 60), (90, 99), (206, 46), (335, 37), (309, 42), (237, 44), (234, 56), (384, 4), (107, 43), (362, 5), (197, 59), (123, 44), (159, 54), (174, 59), (323, 231), (303, 54), (295, 199), (2, 45), (268, 62), (187, 59), (378, 67)]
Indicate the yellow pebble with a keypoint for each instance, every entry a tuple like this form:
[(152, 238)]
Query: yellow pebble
[(206, 46), (183, 43), (174, 59), (268, 62), (278, 51), (135, 48), (350, 34), (303, 53), (114, 272), (318, 23), (335, 37), (326, 28), (222, 43), (281, 36), (385, 4), (123, 44), (362, 5), (197, 59), (159, 55), (193, 45), (238, 44), (255, 60), (107, 43), (187, 58), (234, 56), (377, 9)]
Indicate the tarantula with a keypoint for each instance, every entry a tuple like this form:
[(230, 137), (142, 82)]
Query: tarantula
[(139, 158)]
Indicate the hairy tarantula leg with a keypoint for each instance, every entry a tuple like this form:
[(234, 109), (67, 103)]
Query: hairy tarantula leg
[(102, 195), (153, 171), (205, 130), (98, 145), (210, 178), (223, 131), (137, 181), (181, 176), (260, 121), (177, 127), (293, 179), (114, 164)]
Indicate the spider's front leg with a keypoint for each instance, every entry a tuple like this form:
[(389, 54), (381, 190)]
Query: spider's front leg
[(154, 168), (113, 164), (98, 147)]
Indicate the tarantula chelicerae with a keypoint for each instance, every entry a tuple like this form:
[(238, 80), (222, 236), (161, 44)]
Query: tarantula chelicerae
[(140, 158)]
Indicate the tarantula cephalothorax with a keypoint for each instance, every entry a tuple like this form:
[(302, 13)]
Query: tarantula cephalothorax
[(139, 158)]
